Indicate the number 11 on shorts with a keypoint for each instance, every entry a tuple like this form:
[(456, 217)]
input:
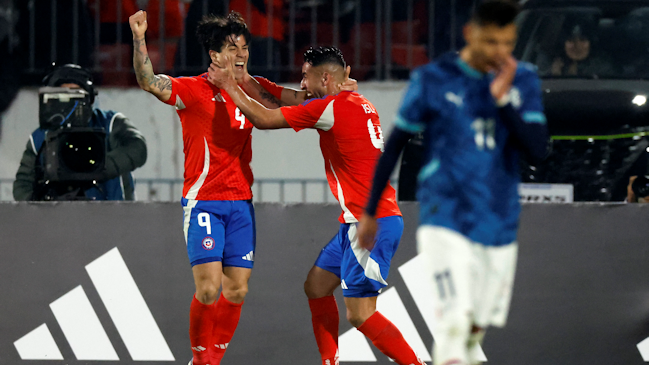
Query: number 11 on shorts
[(444, 282)]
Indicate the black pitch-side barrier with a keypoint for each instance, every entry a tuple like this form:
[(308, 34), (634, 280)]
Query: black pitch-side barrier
[(581, 294)]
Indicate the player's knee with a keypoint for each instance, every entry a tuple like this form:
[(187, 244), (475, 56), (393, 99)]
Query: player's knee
[(310, 290), (236, 294), (315, 291), (318, 286), (207, 293), (356, 319)]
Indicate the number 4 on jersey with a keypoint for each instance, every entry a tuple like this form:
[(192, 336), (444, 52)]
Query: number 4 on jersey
[(238, 116)]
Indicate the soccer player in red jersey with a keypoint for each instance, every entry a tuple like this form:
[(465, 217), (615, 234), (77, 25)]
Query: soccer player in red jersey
[(219, 222), (351, 141)]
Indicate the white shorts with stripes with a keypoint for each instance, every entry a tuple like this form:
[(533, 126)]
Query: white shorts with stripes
[(468, 277)]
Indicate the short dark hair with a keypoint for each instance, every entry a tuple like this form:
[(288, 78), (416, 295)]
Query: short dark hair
[(214, 32), (324, 55), (495, 12)]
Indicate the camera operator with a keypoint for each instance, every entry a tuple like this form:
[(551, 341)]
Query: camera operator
[(122, 148)]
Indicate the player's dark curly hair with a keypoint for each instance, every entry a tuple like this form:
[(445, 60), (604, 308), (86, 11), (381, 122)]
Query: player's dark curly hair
[(322, 55), (214, 32), (496, 12)]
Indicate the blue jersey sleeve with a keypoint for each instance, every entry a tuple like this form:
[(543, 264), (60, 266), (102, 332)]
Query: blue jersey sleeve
[(524, 117), (415, 109), (531, 108)]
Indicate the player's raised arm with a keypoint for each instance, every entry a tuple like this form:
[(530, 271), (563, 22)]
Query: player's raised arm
[(158, 85), (529, 129), (261, 117)]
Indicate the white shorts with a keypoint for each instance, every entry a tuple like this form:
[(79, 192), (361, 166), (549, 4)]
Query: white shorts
[(468, 277)]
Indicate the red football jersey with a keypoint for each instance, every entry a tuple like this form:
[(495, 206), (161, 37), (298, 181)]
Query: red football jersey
[(351, 141), (216, 139)]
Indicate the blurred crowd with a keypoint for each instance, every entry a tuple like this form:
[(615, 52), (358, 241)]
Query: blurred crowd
[(95, 34)]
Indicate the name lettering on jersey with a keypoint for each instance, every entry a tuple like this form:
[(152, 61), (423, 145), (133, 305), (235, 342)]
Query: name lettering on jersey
[(369, 109), (455, 99), (218, 97)]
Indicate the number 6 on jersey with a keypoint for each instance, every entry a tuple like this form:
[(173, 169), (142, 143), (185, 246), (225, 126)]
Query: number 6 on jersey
[(376, 135)]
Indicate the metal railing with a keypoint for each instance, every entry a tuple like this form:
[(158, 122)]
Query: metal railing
[(381, 39), (264, 190)]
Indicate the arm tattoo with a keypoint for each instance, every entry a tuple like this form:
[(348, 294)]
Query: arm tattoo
[(162, 83), (268, 96), (138, 42), (144, 68), (141, 62)]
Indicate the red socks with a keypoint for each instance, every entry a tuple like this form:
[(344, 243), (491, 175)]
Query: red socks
[(200, 331), (226, 319), (383, 334), (214, 325), (387, 338), (211, 328), (324, 316)]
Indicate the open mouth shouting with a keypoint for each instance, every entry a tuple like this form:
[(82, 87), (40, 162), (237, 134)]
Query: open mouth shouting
[(239, 65)]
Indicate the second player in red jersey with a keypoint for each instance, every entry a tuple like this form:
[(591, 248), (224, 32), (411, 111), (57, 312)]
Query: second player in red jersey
[(351, 141), (351, 138)]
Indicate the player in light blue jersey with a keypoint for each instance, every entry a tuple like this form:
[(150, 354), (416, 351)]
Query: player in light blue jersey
[(480, 111)]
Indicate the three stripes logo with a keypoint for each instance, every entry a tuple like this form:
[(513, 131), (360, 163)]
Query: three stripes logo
[(336, 359), (250, 256), (82, 328), (353, 345)]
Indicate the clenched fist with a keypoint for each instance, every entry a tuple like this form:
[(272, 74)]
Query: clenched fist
[(138, 24)]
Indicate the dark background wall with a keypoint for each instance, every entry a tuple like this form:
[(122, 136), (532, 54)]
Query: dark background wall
[(581, 294)]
